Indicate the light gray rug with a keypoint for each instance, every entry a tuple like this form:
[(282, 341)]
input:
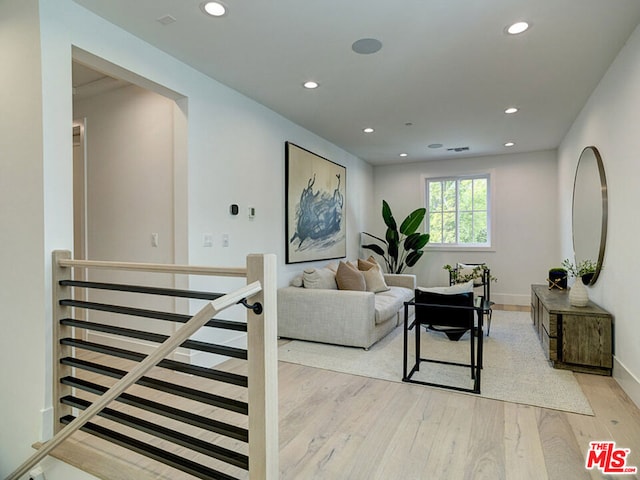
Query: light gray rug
[(515, 369)]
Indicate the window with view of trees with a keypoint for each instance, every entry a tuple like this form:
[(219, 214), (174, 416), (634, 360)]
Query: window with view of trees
[(458, 211)]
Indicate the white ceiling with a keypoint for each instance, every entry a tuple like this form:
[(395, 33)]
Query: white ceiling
[(446, 67)]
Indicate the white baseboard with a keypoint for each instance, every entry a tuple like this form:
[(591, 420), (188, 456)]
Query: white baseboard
[(511, 299), (629, 383), (47, 424)]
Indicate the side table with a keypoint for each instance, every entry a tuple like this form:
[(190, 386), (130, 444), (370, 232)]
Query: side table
[(573, 338)]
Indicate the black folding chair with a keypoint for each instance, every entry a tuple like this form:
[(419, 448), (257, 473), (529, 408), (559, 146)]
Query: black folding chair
[(452, 314)]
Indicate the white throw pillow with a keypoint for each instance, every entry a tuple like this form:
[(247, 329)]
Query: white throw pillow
[(296, 281), (322, 278), (452, 290)]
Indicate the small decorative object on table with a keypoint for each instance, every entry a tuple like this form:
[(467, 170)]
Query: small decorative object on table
[(557, 278), (578, 295)]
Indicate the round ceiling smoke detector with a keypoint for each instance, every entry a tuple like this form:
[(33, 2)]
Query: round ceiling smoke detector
[(366, 46)]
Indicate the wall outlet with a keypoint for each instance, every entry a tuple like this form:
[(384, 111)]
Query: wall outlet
[(225, 239), (36, 474), (207, 240)]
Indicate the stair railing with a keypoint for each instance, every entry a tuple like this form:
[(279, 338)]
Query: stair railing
[(261, 355)]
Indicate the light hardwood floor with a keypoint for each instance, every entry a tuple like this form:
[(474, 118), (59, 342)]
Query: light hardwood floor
[(340, 426)]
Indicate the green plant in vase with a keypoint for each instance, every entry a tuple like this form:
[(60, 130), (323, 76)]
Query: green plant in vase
[(477, 273), (585, 269)]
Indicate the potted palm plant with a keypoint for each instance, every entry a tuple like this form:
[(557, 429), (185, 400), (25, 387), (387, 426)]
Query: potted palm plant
[(404, 245)]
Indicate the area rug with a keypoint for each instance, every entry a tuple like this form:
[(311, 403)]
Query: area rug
[(515, 369)]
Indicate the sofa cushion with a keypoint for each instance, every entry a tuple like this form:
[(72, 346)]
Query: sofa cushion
[(323, 278), (349, 277), (389, 303)]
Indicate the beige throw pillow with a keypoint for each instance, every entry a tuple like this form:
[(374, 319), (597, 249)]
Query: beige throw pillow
[(349, 278), (372, 259), (374, 280), (364, 265)]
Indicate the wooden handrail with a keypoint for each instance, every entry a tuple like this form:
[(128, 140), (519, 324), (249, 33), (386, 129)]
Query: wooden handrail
[(156, 267), (210, 310)]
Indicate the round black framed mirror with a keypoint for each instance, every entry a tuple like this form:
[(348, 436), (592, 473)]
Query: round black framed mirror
[(589, 219)]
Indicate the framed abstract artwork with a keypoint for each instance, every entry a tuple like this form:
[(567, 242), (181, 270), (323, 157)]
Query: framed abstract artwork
[(315, 199)]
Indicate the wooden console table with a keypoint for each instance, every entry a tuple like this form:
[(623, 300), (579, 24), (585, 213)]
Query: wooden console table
[(573, 338)]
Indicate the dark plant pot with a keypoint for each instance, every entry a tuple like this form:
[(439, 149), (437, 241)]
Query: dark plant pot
[(557, 279), (587, 277)]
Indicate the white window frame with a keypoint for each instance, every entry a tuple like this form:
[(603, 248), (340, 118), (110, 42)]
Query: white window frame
[(489, 246)]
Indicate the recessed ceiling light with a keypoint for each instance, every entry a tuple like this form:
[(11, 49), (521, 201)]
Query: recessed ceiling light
[(404, 154), (310, 84), (517, 28), (435, 145), (511, 110), (215, 9), (509, 144), (368, 130)]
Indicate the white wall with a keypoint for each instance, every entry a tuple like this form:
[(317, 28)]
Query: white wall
[(22, 286), (235, 155), (610, 121), (524, 244)]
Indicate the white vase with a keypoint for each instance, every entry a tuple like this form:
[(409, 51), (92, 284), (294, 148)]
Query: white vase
[(578, 295)]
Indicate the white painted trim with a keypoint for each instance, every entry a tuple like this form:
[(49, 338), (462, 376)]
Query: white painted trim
[(627, 381), (511, 299), (47, 423)]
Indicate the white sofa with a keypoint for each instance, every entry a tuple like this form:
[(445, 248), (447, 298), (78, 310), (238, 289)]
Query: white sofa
[(343, 317)]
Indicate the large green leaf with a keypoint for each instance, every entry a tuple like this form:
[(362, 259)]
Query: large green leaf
[(416, 241), (387, 216), (376, 248), (411, 240), (392, 237), (413, 221), (413, 257)]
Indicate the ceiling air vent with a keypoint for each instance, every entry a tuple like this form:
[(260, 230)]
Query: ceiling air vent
[(458, 149)]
